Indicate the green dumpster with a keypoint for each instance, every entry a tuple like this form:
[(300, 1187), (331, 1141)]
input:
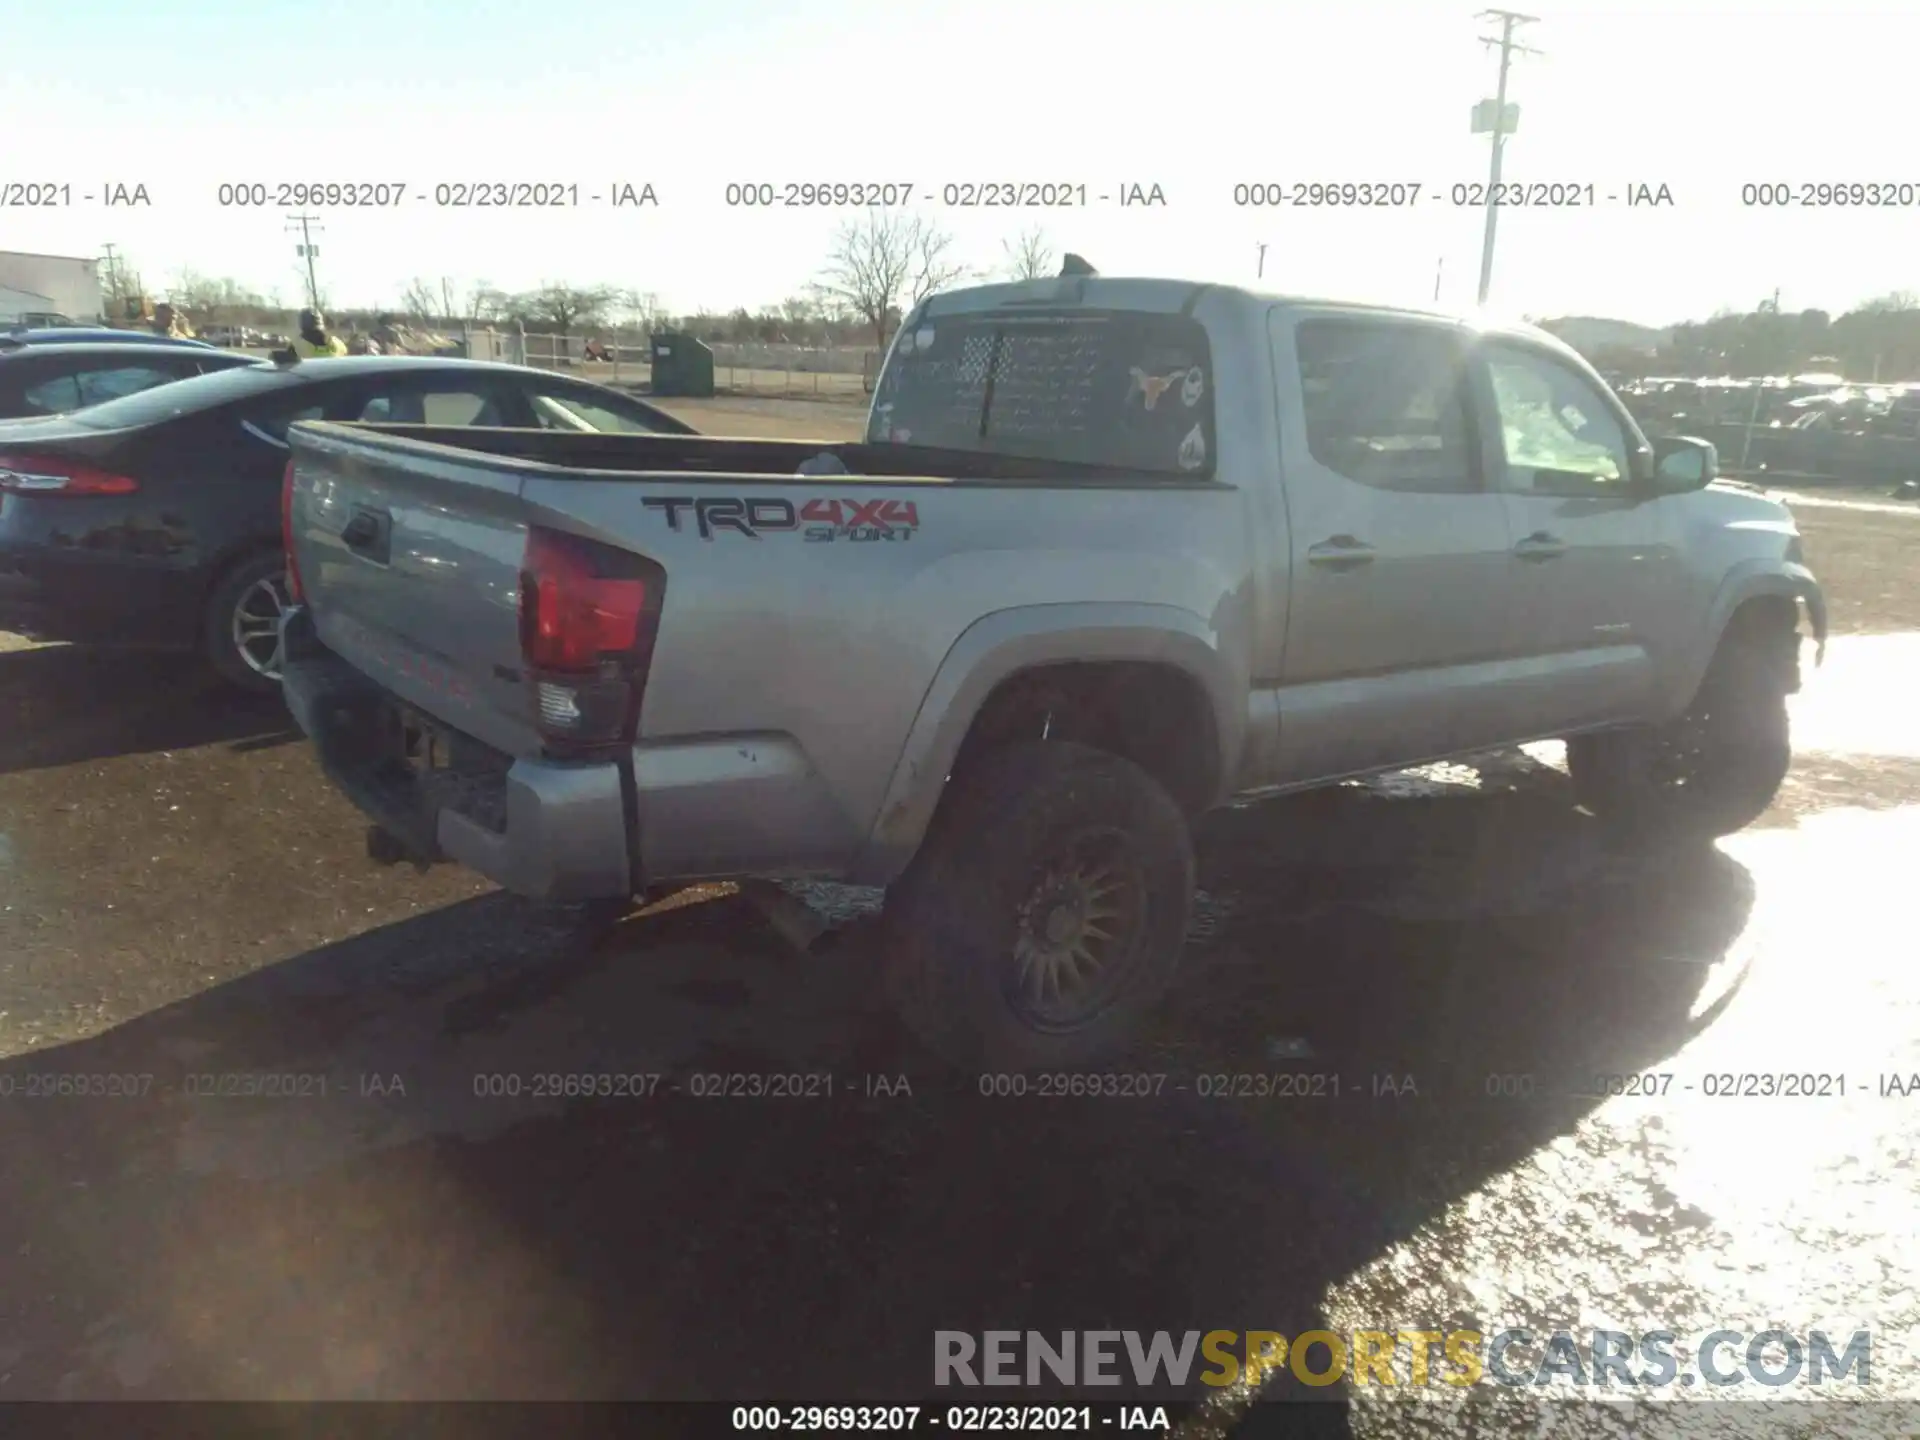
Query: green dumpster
[(681, 365)]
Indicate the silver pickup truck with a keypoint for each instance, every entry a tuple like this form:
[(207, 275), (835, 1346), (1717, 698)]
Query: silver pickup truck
[(1110, 552)]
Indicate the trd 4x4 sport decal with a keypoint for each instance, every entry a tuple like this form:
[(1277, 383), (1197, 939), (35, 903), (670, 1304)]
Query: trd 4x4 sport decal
[(817, 520)]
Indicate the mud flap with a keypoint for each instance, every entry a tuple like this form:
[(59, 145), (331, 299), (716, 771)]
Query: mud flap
[(793, 920), (1816, 604)]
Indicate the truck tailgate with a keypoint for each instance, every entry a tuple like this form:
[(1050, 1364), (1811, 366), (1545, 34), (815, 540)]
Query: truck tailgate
[(409, 558)]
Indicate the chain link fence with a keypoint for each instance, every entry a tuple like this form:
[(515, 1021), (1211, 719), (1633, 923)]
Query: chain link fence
[(829, 372)]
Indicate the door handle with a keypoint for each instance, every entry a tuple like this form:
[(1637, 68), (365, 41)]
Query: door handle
[(1540, 546), (1341, 552)]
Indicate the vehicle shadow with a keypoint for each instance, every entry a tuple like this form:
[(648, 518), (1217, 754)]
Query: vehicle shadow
[(69, 704), (703, 1238)]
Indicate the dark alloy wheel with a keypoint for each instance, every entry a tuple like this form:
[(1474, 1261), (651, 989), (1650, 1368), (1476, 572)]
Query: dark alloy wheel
[(1080, 930), (1045, 912)]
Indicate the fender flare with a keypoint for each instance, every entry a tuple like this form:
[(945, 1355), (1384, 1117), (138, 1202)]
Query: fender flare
[(1750, 580), (1005, 642)]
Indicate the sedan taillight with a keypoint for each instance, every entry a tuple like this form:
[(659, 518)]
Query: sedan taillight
[(56, 475)]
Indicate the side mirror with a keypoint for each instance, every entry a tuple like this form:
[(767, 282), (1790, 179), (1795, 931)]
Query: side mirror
[(1681, 463)]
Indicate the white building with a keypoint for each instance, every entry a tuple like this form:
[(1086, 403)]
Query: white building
[(65, 284), (17, 305)]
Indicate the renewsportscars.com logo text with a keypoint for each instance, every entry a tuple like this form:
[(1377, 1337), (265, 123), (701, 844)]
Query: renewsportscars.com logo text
[(1600, 1359)]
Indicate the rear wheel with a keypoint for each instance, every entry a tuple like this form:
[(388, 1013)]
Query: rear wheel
[(240, 635), (1711, 772), (1045, 912)]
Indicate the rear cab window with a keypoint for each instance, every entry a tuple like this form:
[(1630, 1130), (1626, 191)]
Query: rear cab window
[(1119, 389)]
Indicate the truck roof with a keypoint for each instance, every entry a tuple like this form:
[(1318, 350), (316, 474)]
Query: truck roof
[(1171, 296)]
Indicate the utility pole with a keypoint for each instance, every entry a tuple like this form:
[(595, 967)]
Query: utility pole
[(1439, 269), (113, 279), (1260, 272), (1500, 126), (307, 250)]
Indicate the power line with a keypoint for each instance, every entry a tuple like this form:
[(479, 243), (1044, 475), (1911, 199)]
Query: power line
[(1500, 127), (307, 251)]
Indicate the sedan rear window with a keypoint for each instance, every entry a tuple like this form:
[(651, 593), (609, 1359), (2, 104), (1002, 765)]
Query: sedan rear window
[(185, 397), (1129, 390)]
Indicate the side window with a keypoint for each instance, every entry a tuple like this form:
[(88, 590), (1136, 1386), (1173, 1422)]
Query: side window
[(1557, 431), (1386, 404), (270, 423), (97, 386), (51, 397), (562, 410), (449, 404)]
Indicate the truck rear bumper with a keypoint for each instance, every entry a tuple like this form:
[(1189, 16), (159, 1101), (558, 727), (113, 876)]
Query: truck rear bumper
[(543, 829)]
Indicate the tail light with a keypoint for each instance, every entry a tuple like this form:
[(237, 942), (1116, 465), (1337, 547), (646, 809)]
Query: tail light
[(294, 590), (56, 475), (588, 616)]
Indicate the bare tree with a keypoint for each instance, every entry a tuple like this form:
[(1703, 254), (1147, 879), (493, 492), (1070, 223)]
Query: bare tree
[(119, 284), (638, 308), (1029, 257), (207, 298), (487, 303), (883, 262), (934, 267), (1893, 304), (562, 306), (421, 301)]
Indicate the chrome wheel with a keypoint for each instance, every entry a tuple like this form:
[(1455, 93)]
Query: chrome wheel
[(256, 625), (1079, 930)]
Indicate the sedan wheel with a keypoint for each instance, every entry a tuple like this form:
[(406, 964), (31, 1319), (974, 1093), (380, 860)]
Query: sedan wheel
[(241, 633), (256, 625)]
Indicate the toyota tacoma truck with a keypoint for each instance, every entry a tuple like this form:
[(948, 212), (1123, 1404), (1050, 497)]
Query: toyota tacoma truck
[(1110, 552)]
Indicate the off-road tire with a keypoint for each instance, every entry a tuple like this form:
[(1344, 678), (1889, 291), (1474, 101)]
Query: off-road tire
[(216, 628), (1744, 749), (953, 919)]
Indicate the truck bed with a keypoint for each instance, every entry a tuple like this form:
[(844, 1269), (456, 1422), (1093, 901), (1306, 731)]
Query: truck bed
[(804, 619), (710, 457)]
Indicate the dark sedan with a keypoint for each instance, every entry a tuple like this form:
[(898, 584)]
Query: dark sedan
[(52, 379), (155, 519)]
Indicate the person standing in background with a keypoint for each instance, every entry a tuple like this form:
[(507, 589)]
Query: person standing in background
[(517, 343), (313, 342), (170, 322)]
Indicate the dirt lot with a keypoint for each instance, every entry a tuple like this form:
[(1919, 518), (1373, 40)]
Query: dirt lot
[(775, 419), (183, 898)]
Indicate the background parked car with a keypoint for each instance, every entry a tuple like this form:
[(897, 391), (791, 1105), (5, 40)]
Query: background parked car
[(52, 379), (155, 519)]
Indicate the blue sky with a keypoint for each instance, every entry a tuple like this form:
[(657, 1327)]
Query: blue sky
[(1194, 96)]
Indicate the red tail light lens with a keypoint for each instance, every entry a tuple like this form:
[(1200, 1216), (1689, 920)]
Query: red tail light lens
[(588, 613), (294, 590), (571, 613), (56, 475)]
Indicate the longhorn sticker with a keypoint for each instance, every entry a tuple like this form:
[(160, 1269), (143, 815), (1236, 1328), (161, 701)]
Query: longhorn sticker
[(1193, 387), (1193, 450), (1150, 387)]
